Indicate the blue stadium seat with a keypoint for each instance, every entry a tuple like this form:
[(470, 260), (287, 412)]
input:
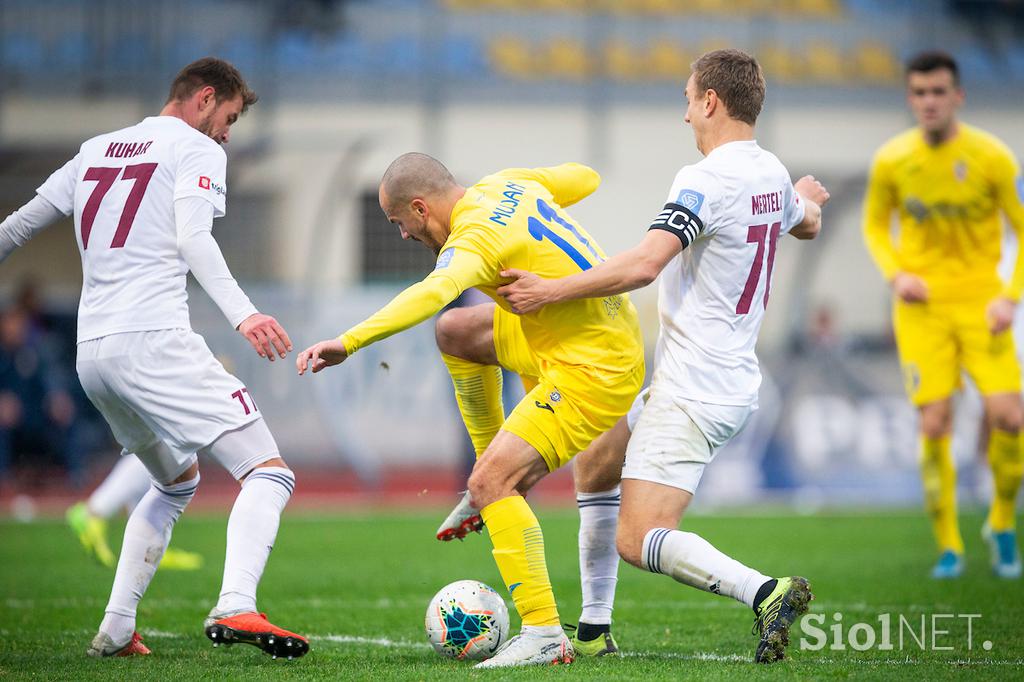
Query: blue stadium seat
[(463, 56), (22, 52), (403, 54), (187, 47), (979, 66), (71, 52), (130, 52), (294, 51), (244, 52), (1015, 61), (347, 55)]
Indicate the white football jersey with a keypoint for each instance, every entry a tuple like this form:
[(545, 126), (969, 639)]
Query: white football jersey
[(730, 208), (122, 187)]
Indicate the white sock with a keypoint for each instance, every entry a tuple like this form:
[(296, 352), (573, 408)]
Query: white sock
[(543, 630), (123, 487), (599, 559), (145, 538), (691, 560), (252, 529)]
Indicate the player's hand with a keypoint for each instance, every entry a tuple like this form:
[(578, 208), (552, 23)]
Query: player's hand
[(812, 190), (909, 288), (265, 335), (1000, 314), (526, 292), (321, 355)]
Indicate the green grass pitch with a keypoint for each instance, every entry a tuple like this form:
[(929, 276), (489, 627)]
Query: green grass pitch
[(358, 585)]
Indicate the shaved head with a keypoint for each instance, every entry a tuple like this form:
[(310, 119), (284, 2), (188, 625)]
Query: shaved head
[(415, 175)]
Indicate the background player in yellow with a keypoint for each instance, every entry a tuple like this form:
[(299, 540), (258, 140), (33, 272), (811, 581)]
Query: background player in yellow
[(586, 356), (949, 182)]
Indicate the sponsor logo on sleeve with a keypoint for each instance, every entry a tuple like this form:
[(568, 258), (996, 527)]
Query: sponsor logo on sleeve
[(691, 199), (445, 258), (208, 184)]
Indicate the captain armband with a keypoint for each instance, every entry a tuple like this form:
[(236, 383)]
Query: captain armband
[(680, 221)]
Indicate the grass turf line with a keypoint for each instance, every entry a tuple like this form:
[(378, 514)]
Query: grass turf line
[(359, 586)]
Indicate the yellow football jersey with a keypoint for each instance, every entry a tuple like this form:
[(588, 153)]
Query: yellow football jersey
[(949, 199), (516, 219)]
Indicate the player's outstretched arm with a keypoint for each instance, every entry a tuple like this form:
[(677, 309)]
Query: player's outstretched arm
[(24, 223), (627, 271), (815, 196), (321, 355)]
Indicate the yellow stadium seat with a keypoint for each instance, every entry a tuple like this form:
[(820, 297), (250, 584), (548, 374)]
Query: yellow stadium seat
[(716, 6), (513, 57), (622, 61), (567, 58), (819, 8), (825, 63), (667, 61), (875, 63), (781, 64)]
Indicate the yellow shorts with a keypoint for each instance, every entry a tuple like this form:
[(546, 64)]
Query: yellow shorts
[(560, 420), (937, 341)]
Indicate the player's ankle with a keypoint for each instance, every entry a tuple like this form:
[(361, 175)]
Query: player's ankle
[(542, 630), (764, 591), (587, 632), (118, 627)]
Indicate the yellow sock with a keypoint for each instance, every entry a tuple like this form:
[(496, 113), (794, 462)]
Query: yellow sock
[(939, 477), (1005, 458), (478, 392), (519, 553)]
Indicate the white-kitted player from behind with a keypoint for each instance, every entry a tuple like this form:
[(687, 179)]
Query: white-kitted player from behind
[(714, 245), (144, 199)]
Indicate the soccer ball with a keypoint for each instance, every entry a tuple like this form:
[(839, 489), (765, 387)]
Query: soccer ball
[(467, 620)]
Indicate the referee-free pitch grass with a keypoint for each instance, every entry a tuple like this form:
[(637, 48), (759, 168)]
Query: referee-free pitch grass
[(358, 586)]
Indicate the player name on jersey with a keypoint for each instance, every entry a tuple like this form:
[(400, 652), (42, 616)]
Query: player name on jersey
[(770, 202), (124, 150), (506, 208)]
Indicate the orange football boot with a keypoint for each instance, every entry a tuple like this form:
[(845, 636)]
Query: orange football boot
[(254, 628)]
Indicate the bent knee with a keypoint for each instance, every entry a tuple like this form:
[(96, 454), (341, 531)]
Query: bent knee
[(630, 545), (450, 331), (1009, 420), (936, 423)]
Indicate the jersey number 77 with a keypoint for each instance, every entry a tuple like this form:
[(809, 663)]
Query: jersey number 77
[(104, 178)]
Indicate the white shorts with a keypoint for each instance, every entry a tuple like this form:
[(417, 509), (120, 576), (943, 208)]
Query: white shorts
[(674, 439), (164, 386)]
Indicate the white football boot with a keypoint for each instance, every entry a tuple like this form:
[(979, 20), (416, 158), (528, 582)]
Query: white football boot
[(103, 646), (465, 518), (533, 646)]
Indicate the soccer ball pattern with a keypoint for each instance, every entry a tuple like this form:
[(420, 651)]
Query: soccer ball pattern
[(467, 620)]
